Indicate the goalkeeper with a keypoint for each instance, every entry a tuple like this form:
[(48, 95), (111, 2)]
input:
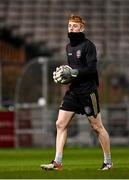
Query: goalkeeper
[(82, 95)]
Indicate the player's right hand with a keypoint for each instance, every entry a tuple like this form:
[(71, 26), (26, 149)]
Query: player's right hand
[(57, 75), (64, 74)]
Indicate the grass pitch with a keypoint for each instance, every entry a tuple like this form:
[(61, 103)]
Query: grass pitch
[(78, 163)]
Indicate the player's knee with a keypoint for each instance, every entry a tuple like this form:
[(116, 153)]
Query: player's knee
[(96, 127), (96, 124), (60, 125)]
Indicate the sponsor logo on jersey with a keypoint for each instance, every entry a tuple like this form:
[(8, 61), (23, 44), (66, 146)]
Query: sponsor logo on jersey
[(78, 53), (69, 54)]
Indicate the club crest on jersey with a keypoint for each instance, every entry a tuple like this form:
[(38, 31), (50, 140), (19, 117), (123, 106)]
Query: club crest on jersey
[(78, 53)]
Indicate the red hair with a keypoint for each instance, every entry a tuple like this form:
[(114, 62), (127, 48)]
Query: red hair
[(77, 19)]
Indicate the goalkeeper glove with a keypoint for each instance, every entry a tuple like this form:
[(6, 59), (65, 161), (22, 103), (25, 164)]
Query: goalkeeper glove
[(64, 74)]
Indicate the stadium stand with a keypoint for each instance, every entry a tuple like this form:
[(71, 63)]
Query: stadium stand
[(107, 22)]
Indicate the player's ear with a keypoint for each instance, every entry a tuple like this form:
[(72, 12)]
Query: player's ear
[(82, 28)]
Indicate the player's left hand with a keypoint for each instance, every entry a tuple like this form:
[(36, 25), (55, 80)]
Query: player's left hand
[(64, 74)]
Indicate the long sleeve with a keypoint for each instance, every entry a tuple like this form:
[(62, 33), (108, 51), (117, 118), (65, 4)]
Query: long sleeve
[(91, 68)]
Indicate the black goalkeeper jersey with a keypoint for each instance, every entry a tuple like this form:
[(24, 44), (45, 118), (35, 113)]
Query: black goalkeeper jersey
[(82, 56)]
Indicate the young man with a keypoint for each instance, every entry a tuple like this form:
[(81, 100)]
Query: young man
[(82, 95)]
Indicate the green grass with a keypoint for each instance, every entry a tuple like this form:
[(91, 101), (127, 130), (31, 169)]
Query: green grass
[(78, 163)]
